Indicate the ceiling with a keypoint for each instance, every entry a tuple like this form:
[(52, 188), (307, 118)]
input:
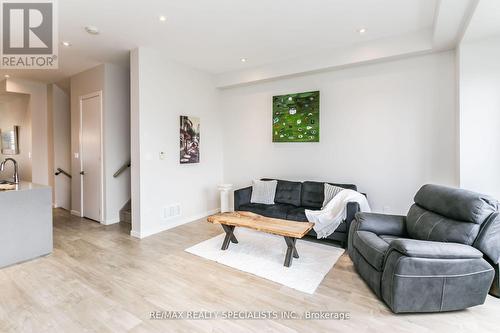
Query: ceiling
[(485, 22), (214, 35)]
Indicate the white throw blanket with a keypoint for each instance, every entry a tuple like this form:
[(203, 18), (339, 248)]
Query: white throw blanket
[(329, 218)]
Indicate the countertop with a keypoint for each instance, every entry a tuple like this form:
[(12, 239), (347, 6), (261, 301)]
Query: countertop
[(25, 186)]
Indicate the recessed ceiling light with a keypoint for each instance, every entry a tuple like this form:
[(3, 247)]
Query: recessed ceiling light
[(362, 31), (92, 30), (65, 43), (162, 18), (243, 59), (6, 76)]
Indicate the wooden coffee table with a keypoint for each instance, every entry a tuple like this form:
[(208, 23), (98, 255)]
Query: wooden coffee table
[(290, 230)]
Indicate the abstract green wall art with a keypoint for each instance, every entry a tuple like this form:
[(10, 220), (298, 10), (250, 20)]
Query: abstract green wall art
[(296, 117)]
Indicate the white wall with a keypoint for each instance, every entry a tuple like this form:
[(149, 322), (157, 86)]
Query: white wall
[(162, 91), (116, 139), (61, 119), (480, 115), (388, 127), (135, 146), (113, 82), (37, 112), (14, 112)]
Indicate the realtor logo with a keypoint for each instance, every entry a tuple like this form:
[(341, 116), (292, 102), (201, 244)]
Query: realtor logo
[(29, 34)]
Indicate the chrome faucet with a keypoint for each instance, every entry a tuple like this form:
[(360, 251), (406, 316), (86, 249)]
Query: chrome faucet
[(16, 171)]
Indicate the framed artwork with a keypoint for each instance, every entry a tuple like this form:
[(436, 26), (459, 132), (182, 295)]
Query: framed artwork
[(10, 141), (189, 140), (296, 117)]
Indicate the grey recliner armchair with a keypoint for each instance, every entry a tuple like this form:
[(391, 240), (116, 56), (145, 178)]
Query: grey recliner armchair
[(442, 256)]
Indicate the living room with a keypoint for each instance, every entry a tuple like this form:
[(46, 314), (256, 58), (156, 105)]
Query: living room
[(398, 123), (294, 166)]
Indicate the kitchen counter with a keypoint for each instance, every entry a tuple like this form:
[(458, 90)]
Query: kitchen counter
[(26, 223), (25, 186)]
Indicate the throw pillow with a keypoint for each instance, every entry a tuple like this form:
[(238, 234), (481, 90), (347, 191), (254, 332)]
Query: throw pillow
[(330, 192), (263, 192)]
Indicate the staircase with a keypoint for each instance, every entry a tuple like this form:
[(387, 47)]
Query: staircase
[(126, 213)]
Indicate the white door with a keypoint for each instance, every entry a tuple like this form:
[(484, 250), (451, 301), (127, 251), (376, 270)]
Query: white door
[(90, 156)]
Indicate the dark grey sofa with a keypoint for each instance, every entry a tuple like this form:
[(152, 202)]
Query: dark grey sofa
[(439, 257), (291, 201)]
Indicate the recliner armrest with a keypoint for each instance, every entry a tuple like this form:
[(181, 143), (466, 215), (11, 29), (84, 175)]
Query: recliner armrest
[(381, 224), (434, 250), (488, 240), (242, 197)]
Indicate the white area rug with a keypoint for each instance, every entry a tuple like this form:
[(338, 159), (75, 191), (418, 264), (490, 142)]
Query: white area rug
[(263, 255)]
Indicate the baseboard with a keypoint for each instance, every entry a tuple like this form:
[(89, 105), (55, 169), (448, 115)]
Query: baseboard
[(171, 225), (135, 234), (56, 206), (76, 213), (111, 221)]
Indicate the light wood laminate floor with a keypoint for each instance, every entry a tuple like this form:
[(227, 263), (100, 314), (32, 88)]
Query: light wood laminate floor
[(100, 279)]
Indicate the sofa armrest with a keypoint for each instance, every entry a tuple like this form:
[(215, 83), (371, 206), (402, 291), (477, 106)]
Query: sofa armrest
[(434, 250), (351, 209), (488, 240), (381, 224), (242, 197)]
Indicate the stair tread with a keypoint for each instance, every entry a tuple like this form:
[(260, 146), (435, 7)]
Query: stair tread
[(126, 213)]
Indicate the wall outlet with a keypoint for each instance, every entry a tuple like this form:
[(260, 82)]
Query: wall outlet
[(172, 211)]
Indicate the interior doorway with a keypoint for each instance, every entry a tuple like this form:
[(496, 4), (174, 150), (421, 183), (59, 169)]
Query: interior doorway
[(60, 136), (91, 170)]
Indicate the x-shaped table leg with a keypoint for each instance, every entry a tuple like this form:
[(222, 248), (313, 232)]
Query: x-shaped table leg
[(291, 251), (229, 229)]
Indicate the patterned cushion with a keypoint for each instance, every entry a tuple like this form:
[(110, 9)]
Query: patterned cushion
[(263, 192), (330, 192)]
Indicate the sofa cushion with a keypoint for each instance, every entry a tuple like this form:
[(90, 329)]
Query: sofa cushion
[(288, 192), (426, 225), (455, 203), (434, 250), (371, 247), (278, 211), (389, 238), (298, 214), (313, 193)]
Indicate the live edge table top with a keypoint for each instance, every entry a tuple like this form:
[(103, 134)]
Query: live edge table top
[(261, 223)]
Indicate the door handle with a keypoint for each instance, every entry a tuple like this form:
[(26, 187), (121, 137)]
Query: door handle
[(82, 173)]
